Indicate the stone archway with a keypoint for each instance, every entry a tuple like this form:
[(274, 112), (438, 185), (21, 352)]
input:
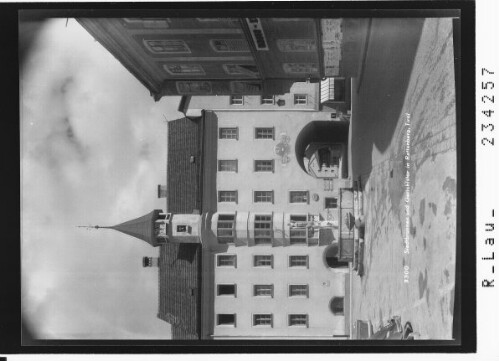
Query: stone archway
[(327, 141), (331, 257)]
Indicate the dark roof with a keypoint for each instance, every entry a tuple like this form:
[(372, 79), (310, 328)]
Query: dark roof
[(141, 228), (183, 175), (180, 289)]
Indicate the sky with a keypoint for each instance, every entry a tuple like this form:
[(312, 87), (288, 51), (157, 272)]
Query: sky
[(93, 150)]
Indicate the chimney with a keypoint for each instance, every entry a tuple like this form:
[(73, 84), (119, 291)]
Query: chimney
[(161, 191), (150, 261)]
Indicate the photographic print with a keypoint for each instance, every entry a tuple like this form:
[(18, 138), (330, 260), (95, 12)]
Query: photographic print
[(239, 178)]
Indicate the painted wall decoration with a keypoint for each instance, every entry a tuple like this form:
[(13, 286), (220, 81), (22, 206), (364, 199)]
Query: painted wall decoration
[(296, 45), (304, 68), (283, 148), (194, 87), (184, 69), (332, 37)]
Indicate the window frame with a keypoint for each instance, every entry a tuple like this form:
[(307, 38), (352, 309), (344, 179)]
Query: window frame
[(335, 202), (236, 100), (232, 256), (291, 193), (272, 165), (305, 266), (270, 285), (226, 239), (221, 194), (255, 195), (264, 99), (307, 289), (264, 129), (298, 99), (255, 265), (262, 227), (234, 295), (305, 325), (235, 163), (254, 317), (214, 47), (222, 129), (201, 71), (218, 324)]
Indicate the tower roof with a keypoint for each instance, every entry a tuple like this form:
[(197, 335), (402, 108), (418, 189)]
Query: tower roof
[(141, 228)]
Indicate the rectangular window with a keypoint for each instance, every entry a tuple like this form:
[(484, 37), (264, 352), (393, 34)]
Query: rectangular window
[(166, 46), (227, 165), (264, 196), (298, 229), (264, 133), (236, 100), (298, 197), (298, 320), (298, 290), (267, 99), (263, 229), (226, 290), (300, 98), (298, 261), (263, 290), (227, 260), (226, 228), (264, 165), (228, 133), (263, 261), (262, 319), (331, 202), (226, 319), (227, 196)]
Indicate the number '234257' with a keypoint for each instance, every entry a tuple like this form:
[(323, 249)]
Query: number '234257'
[(487, 99)]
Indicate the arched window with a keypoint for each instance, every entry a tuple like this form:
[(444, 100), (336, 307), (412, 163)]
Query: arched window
[(337, 305)]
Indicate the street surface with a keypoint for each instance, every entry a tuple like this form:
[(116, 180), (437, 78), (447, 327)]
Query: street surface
[(409, 69)]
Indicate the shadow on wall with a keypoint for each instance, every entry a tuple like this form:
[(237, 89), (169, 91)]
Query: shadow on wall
[(390, 57)]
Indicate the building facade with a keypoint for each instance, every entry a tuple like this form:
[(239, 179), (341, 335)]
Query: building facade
[(224, 56)]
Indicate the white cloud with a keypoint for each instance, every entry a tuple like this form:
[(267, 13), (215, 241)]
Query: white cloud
[(93, 150)]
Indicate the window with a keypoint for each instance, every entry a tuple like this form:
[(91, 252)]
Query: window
[(263, 290), (267, 99), (184, 69), (225, 228), (227, 196), (264, 133), (226, 319), (229, 45), (263, 229), (264, 319), (337, 305), (236, 100), (226, 260), (227, 165), (298, 261), (226, 290), (228, 133), (300, 98), (298, 197), (298, 229), (263, 261), (298, 290), (264, 196), (166, 46), (331, 202), (264, 165), (298, 320), (240, 69)]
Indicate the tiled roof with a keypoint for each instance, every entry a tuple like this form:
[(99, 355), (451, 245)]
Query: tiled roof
[(180, 289), (141, 228), (183, 174)]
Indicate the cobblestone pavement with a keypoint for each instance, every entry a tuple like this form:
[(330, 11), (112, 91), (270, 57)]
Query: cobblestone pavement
[(427, 298)]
